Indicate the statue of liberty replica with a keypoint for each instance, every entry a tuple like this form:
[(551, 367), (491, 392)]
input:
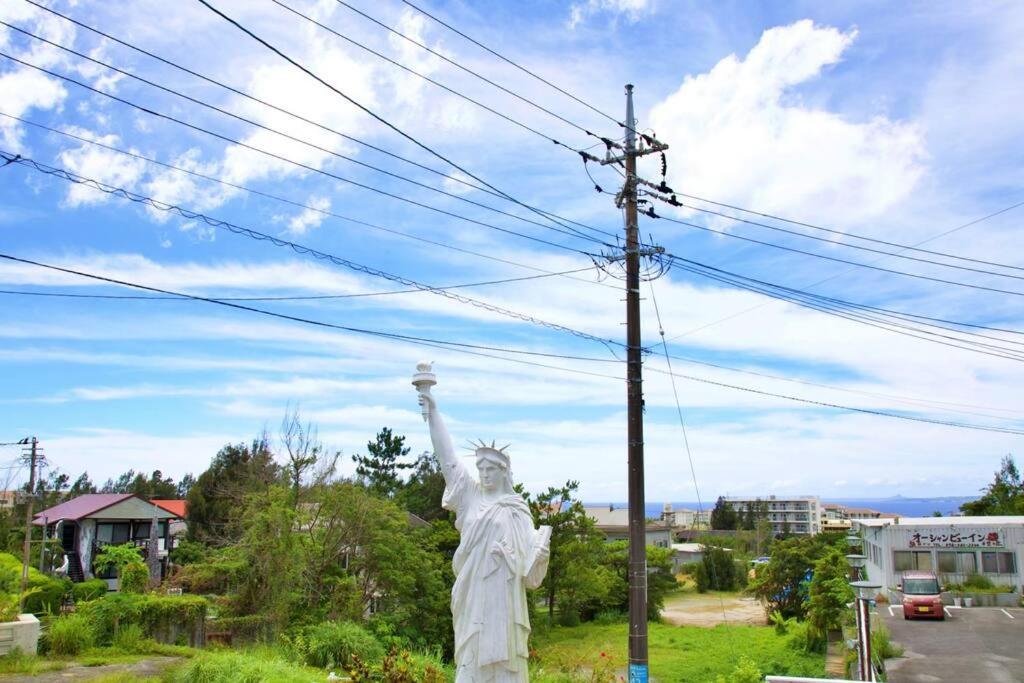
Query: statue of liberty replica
[(500, 555)]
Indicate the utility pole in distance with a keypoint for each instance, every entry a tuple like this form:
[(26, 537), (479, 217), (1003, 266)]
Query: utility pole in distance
[(33, 444), (638, 664)]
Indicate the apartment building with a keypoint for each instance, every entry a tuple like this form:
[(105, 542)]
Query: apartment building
[(788, 514)]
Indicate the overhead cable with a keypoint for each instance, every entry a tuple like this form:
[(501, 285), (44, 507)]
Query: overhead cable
[(309, 72), (455, 178), (826, 257), (301, 205), (297, 248), (841, 233), (475, 350), (313, 169), (626, 125)]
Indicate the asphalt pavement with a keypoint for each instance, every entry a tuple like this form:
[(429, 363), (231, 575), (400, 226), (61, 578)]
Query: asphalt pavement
[(977, 644)]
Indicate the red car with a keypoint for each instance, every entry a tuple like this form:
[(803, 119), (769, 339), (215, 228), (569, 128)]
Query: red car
[(921, 596)]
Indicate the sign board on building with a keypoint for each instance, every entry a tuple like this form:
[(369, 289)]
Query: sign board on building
[(956, 539)]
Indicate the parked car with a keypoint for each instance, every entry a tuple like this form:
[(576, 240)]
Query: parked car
[(922, 596)]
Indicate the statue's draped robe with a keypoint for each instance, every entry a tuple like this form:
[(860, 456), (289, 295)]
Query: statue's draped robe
[(497, 560)]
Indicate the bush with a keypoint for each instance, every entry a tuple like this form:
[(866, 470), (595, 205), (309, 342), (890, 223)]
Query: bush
[(130, 638), (159, 616), (70, 635), (236, 667), (745, 672), (401, 666), (217, 577), (332, 644), (189, 552), (47, 595), (134, 578), (978, 582), (247, 629), (89, 590), (881, 645)]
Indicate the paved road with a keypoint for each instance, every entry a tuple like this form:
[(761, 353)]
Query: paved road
[(983, 644), (150, 668)]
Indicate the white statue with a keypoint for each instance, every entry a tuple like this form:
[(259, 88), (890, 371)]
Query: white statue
[(500, 555)]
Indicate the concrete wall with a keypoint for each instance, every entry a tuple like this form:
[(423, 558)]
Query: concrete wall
[(22, 634)]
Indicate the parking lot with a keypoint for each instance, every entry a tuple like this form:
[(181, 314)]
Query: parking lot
[(975, 644)]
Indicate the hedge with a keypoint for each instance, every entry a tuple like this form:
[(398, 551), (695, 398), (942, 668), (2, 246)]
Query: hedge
[(165, 618)]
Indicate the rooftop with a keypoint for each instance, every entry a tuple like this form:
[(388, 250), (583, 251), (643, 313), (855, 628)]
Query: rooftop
[(86, 506), (1003, 520)]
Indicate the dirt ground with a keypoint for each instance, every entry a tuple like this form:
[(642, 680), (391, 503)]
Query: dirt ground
[(140, 670), (711, 609)]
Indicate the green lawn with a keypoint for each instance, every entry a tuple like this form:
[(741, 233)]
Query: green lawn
[(677, 653)]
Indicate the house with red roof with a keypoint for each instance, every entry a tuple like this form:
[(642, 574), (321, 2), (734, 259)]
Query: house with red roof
[(85, 524)]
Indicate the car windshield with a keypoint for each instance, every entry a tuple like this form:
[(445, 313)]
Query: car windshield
[(920, 587)]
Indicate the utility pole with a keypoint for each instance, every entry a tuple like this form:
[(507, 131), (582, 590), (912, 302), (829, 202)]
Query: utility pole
[(33, 443), (638, 664)]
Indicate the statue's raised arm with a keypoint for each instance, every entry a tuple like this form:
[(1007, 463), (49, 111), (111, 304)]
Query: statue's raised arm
[(444, 451)]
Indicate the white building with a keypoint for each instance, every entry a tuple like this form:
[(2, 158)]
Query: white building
[(798, 515), (952, 547)]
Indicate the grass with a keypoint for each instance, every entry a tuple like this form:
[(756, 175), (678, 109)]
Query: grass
[(17, 663), (677, 653)]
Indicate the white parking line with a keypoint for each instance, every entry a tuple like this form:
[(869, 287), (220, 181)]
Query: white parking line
[(946, 611), (1007, 614), (890, 611)]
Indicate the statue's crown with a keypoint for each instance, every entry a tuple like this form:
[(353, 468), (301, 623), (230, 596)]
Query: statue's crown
[(491, 452)]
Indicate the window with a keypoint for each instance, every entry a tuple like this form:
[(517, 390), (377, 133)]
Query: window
[(953, 562), (142, 530), (112, 533), (998, 563), (912, 560)]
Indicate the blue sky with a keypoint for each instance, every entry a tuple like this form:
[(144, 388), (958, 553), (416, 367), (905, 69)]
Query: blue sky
[(895, 123)]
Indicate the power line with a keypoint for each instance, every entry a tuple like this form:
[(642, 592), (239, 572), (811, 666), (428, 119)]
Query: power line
[(977, 347), (438, 84), (950, 231), (329, 174), (862, 248), (297, 248), (312, 297), (839, 232), (626, 125), (366, 109), (835, 259), (298, 117), (442, 56), (284, 316), (297, 204), (476, 348)]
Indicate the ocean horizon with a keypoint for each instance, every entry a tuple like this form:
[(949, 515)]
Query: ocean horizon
[(897, 505)]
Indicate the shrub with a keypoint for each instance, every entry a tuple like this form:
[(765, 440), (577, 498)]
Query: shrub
[(130, 638), (881, 645), (71, 634), (332, 644), (134, 578), (189, 552), (158, 615), (236, 667), (401, 666), (47, 595), (210, 577), (745, 672), (249, 628), (89, 590), (979, 582)]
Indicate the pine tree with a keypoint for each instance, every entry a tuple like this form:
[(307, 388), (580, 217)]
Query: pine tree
[(379, 470)]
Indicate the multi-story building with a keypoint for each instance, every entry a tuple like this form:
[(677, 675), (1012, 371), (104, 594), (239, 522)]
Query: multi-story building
[(683, 518), (798, 515)]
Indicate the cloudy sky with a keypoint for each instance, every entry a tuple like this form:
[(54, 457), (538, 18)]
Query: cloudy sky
[(891, 123)]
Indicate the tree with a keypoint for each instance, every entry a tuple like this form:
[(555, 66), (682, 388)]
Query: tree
[(576, 583), (716, 570), (379, 469), (723, 516), (184, 486), (216, 502), (782, 583), (81, 486), (422, 494), (660, 579), (828, 594), (1004, 496), (303, 448), (118, 557)]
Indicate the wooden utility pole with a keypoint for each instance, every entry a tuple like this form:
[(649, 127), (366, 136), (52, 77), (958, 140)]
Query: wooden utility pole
[(638, 664), (33, 453)]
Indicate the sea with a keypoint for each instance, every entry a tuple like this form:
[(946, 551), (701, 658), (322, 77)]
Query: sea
[(898, 505)]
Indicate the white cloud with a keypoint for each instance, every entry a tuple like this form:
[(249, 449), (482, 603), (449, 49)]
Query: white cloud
[(100, 165), (22, 90), (747, 138), (631, 10), (310, 217)]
